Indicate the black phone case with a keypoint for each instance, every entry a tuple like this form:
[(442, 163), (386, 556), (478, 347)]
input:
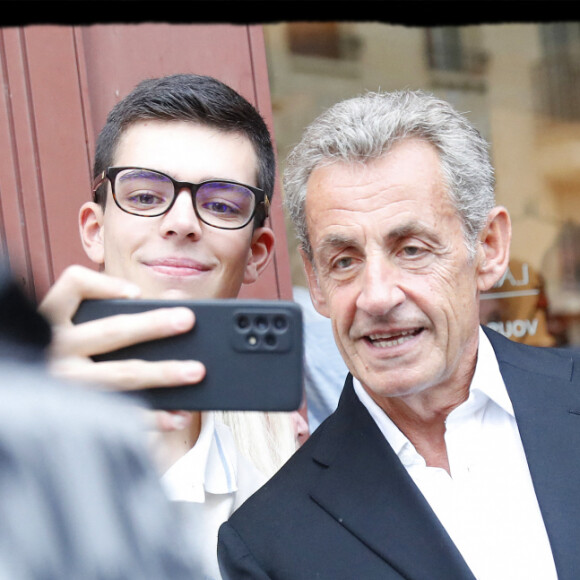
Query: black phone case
[(252, 351)]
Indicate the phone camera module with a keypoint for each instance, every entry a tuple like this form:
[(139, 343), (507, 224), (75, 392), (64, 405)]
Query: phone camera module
[(243, 322)]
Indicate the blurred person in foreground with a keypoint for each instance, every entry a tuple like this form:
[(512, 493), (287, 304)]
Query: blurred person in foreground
[(79, 495)]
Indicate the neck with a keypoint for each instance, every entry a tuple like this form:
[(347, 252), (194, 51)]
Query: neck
[(175, 444), (421, 418)]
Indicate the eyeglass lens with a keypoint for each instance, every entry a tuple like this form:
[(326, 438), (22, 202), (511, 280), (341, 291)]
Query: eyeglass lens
[(218, 203)]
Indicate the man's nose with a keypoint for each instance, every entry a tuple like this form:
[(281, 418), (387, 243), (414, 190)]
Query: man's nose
[(181, 220), (381, 288)]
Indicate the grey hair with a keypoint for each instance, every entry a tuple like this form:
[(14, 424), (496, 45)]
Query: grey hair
[(365, 127)]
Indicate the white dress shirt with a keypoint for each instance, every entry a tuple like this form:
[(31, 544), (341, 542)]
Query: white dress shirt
[(206, 485), (487, 505)]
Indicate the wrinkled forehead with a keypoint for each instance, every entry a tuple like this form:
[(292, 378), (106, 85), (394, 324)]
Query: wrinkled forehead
[(408, 168), (403, 191)]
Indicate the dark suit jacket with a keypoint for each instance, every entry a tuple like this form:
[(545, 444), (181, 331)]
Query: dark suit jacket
[(344, 507)]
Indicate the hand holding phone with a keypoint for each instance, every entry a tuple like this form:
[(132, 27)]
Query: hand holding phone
[(73, 346), (252, 351)]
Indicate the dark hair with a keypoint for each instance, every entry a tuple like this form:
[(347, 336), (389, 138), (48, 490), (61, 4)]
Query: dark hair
[(193, 98)]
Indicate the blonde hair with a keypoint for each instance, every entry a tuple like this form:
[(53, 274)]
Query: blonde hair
[(266, 439)]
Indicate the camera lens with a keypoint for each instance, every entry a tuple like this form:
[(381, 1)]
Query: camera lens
[(243, 321), (280, 323), (270, 340), (261, 323)]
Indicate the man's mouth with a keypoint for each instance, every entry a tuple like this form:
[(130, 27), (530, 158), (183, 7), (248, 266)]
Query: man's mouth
[(177, 267), (389, 340)]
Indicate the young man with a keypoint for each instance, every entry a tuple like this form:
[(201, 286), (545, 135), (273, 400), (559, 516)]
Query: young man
[(184, 174), (453, 453)]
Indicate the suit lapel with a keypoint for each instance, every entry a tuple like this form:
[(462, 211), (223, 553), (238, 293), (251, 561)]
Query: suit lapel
[(545, 394), (367, 490)]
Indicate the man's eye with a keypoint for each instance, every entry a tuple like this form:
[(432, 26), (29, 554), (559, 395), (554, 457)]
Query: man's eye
[(221, 207), (413, 251), (144, 199), (342, 263)]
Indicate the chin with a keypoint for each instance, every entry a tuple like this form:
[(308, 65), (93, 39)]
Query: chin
[(180, 294)]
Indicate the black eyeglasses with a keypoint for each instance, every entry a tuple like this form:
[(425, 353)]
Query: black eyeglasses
[(219, 203)]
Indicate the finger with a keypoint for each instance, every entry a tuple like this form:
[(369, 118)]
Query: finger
[(78, 283), (115, 332), (128, 375), (170, 420)]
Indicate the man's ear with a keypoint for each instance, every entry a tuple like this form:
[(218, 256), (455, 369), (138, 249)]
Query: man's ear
[(316, 294), (261, 252), (92, 230), (493, 251)]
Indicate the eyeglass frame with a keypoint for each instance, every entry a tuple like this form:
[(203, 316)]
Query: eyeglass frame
[(262, 200)]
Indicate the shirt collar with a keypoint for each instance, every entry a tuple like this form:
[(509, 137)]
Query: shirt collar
[(487, 384), (487, 378)]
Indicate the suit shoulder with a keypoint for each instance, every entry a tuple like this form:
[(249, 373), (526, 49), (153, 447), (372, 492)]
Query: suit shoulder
[(286, 487), (540, 360)]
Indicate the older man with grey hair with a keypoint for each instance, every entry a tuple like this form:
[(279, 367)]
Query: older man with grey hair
[(453, 453)]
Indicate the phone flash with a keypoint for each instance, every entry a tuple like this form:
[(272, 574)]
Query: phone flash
[(252, 340)]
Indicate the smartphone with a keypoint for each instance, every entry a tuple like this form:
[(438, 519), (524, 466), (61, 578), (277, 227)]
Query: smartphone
[(252, 351)]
